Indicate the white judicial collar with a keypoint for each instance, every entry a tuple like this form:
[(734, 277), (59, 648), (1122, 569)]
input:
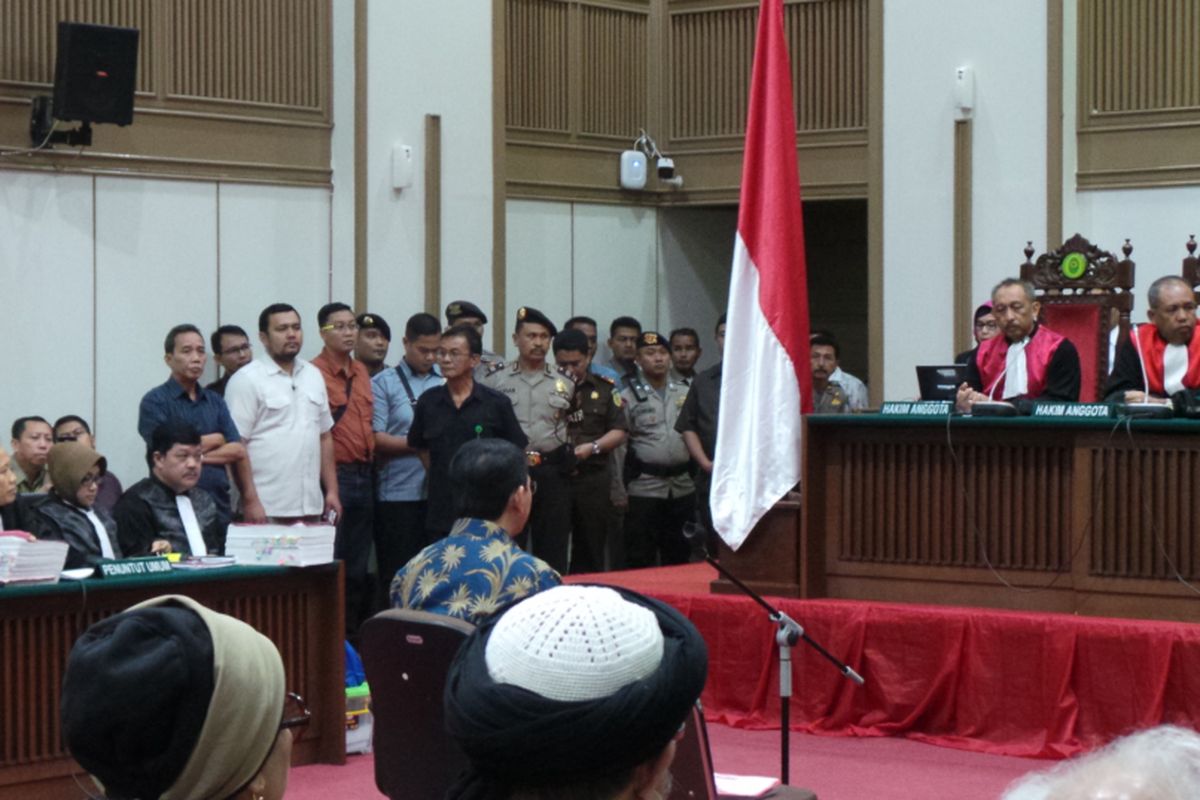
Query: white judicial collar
[(1016, 381), (191, 525), (1175, 364), (106, 548)]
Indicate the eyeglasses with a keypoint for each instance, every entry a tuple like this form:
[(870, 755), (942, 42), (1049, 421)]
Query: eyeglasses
[(451, 355), (233, 351), (341, 327), (295, 715), (90, 480), (986, 325), (69, 436)]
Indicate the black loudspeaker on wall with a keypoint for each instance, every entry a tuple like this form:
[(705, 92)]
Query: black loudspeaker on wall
[(95, 73), (94, 79)]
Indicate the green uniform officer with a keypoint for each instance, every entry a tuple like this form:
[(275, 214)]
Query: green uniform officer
[(595, 426)]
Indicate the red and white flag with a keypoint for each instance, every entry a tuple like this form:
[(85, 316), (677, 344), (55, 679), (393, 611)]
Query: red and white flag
[(766, 381)]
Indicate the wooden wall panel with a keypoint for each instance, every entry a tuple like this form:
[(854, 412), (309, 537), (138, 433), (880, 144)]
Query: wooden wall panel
[(536, 62), (614, 55), (28, 35), (266, 52), (681, 70), (712, 53), (226, 88), (960, 509), (1144, 518), (1139, 92)]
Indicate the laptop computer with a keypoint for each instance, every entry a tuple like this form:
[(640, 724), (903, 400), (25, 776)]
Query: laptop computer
[(940, 383)]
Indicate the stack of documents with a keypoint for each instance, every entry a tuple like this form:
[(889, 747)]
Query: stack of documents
[(280, 545), (26, 559)]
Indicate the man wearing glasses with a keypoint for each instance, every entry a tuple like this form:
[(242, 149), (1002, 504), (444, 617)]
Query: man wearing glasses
[(450, 415), (231, 348), (351, 403)]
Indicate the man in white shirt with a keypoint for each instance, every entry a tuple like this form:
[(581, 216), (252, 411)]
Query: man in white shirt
[(281, 409)]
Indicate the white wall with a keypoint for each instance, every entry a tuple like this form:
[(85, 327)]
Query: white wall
[(924, 42), (96, 270), (427, 58), (578, 258), (666, 268), (695, 254)]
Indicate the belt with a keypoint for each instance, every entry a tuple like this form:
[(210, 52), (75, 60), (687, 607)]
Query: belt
[(664, 470), (361, 467)]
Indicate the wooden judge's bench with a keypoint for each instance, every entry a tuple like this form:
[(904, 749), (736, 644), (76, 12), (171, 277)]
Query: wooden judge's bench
[(1096, 516)]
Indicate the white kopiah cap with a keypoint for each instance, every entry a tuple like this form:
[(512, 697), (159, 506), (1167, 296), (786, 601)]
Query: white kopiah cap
[(574, 643)]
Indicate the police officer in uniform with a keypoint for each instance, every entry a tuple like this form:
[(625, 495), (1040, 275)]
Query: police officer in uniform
[(462, 312), (595, 426), (541, 397), (657, 467)]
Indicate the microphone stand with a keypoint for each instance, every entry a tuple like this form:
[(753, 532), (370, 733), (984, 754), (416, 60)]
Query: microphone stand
[(788, 633)]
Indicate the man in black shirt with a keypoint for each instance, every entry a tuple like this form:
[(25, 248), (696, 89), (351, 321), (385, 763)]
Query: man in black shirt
[(697, 422), (450, 415)]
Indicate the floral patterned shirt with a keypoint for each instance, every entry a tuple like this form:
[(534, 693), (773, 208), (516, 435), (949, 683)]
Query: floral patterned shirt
[(471, 573)]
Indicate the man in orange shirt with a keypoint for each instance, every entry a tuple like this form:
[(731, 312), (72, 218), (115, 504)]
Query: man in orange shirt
[(351, 403)]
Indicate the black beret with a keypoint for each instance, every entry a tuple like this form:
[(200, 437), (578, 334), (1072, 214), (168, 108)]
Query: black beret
[(135, 696), (464, 308), (369, 320), (528, 314), (572, 339), (651, 339)]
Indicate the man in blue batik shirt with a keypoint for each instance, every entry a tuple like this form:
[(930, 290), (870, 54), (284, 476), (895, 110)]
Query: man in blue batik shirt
[(400, 492), (477, 569)]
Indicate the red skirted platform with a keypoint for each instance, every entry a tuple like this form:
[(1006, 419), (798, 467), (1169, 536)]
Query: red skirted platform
[(1002, 682)]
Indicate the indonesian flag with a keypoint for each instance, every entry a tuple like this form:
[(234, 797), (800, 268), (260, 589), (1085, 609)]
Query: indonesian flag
[(766, 379)]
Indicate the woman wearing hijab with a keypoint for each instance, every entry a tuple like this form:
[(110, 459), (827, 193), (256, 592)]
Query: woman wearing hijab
[(68, 512), (170, 700)]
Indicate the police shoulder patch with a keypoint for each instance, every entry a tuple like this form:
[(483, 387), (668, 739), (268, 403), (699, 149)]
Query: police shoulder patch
[(494, 367)]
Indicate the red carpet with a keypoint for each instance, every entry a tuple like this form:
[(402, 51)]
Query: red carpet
[(835, 768), (1007, 683)]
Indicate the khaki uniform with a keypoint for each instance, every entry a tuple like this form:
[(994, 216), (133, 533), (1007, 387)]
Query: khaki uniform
[(832, 401), (542, 401), (655, 442), (662, 497), (596, 410), (489, 362)]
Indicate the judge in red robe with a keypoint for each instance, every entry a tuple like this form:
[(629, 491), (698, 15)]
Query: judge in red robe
[(1028, 362), (1168, 348)]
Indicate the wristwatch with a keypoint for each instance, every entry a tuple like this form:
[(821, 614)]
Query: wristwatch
[(596, 448)]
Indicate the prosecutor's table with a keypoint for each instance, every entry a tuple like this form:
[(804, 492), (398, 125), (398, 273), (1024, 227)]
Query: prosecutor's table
[(1069, 513), (299, 609)]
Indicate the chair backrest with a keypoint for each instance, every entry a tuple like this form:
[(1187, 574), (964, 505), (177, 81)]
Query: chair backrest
[(1084, 292), (692, 772), (1191, 264), (407, 655)]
